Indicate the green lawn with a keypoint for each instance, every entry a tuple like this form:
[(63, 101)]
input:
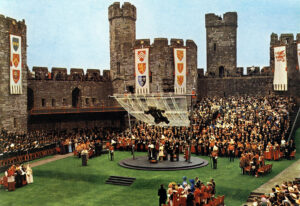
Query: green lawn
[(66, 182)]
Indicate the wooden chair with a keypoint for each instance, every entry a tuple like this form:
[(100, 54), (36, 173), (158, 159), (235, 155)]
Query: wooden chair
[(222, 200), (292, 155), (247, 169)]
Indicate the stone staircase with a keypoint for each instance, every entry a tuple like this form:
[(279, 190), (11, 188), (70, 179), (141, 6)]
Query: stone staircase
[(118, 180)]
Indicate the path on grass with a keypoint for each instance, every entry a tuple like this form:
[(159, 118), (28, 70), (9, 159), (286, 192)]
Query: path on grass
[(289, 174), (54, 158)]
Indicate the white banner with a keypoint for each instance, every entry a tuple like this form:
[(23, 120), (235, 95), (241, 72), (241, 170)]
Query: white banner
[(15, 65), (298, 54), (180, 70), (280, 73), (142, 71)]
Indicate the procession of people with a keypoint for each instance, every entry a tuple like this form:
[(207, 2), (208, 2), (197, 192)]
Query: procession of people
[(17, 176)]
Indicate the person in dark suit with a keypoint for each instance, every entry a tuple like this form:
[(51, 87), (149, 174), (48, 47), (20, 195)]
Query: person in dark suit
[(162, 193), (190, 198)]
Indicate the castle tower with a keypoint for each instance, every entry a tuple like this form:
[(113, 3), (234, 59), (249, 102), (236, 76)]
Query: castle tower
[(122, 38), (13, 107), (221, 37), (290, 42)]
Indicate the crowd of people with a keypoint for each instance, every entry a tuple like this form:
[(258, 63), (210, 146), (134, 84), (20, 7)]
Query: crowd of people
[(286, 194), (190, 192), (17, 176), (231, 126), (13, 144)]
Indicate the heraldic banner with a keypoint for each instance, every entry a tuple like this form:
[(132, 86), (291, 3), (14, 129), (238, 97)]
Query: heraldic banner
[(142, 71), (298, 55), (15, 65), (280, 73), (180, 70)]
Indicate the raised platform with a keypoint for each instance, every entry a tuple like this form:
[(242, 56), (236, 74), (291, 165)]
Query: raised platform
[(142, 163)]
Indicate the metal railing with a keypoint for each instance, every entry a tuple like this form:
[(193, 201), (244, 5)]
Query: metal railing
[(39, 111)]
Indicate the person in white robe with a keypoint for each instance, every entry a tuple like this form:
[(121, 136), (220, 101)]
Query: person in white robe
[(29, 174)]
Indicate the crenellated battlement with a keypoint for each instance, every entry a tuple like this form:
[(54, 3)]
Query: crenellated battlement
[(126, 11), (284, 39), (164, 42), (250, 72), (61, 74), (11, 22), (213, 20)]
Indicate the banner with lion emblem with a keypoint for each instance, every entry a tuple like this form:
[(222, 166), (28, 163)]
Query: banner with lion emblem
[(142, 71), (15, 65), (180, 70), (280, 73)]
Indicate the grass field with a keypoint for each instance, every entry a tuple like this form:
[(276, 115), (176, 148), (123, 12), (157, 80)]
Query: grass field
[(66, 182)]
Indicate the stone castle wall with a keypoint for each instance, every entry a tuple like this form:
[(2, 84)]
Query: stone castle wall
[(56, 88), (235, 86), (13, 111), (50, 94)]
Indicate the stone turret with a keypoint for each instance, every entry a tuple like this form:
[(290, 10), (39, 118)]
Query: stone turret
[(290, 44), (221, 35), (122, 37), (13, 107)]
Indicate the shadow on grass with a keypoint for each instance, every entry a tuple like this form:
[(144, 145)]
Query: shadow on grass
[(90, 178)]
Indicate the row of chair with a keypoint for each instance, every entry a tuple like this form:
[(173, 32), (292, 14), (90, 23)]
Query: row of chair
[(27, 157), (219, 201), (265, 169)]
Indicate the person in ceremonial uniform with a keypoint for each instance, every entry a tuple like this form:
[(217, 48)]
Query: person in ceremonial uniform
[(186, 152), (10, 174), (111, 152), (214, 156), (231, 150), (84, 156), (176, 155), (243, 163), (161, 152)]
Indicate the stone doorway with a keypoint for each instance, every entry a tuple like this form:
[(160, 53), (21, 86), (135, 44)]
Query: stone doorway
[(221, 71), (30, 99), (75, 97)]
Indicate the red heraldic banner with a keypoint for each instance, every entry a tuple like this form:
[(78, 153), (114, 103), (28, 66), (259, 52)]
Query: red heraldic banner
[(180, 70), (280, 73), (15, 65), (298, 55), (142, 71)]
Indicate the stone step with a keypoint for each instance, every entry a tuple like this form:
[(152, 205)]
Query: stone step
[(120, 177), (119, 180)]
